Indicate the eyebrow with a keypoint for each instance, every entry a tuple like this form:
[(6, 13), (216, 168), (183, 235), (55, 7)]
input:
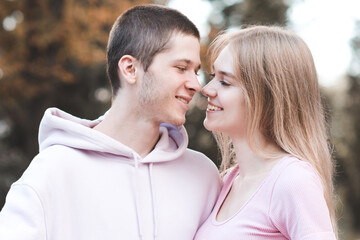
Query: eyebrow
[(227, 74), (187, 61)]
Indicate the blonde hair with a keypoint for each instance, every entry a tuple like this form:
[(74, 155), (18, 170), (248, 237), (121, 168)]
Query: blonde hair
[(276, 70)]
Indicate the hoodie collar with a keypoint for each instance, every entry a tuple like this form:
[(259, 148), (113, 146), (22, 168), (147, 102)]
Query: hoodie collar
[(60, 128), (172, 143)]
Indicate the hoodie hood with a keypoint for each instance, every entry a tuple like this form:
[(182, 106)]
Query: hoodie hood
[(60, 128)]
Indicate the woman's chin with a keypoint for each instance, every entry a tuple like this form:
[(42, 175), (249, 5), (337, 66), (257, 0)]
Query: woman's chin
[(208, 125)]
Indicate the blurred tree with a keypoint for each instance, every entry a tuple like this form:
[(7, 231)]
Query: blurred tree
[(346, 132), (52, 53), (351, 160)]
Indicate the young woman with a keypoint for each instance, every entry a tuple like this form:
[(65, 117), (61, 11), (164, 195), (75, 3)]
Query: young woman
[(266, 113)]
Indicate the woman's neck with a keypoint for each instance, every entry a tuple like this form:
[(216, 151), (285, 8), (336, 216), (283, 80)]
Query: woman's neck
[(255, 163)]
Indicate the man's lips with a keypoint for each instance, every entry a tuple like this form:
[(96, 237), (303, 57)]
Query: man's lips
[(185, 100)]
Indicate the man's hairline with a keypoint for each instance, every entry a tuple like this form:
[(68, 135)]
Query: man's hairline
[(169, 45)]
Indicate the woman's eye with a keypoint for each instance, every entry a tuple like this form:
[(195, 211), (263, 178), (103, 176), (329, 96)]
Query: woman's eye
[(224, 83)]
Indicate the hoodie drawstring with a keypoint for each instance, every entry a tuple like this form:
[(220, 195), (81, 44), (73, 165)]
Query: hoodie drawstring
[(137, 197), (153, 202)]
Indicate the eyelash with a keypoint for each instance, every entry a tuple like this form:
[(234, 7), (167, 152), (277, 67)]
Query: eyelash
[(222, 82), (183, 69)]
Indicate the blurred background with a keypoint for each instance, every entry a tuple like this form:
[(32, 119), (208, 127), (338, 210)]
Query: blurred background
[(53, 53)]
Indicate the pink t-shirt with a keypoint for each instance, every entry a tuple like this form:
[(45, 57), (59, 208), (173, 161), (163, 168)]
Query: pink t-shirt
[(289, 204)]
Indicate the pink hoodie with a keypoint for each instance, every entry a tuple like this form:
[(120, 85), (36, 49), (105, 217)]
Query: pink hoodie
[(85, 185)]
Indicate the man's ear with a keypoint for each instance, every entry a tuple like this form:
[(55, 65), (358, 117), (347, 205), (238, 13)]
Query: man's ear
[(128, 68)]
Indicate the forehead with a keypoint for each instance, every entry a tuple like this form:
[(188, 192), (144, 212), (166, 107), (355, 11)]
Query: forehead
[(224, 62), (182, 47)]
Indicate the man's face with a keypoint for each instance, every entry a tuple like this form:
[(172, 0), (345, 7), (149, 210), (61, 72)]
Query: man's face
[(171, 81)]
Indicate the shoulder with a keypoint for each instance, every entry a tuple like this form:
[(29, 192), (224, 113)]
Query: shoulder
[(50, 165), (54, 157), (298, 207), (294, 174), (296, 191), (202, 166), (200, 160)]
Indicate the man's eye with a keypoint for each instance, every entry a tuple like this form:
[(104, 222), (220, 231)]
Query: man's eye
[(183, 69), (211, 75)]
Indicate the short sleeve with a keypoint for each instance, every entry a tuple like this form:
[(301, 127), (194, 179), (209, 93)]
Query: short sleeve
[(298, 207)]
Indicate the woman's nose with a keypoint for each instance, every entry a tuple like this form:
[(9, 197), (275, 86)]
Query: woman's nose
[(208, 90)]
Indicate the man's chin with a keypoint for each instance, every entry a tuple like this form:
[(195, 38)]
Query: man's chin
[(178, 122)]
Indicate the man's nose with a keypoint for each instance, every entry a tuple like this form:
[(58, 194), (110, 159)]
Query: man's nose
[(193, 84)]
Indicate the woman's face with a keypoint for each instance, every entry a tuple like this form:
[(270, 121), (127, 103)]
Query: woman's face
[(226, 110)]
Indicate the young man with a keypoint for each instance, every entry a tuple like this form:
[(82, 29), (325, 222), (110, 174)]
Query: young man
[(129, 174)]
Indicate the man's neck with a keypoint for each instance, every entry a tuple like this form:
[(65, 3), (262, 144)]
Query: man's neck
[(131, 130)]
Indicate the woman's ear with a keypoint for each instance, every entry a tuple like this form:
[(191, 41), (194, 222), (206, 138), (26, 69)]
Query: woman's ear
[(128, 68)]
